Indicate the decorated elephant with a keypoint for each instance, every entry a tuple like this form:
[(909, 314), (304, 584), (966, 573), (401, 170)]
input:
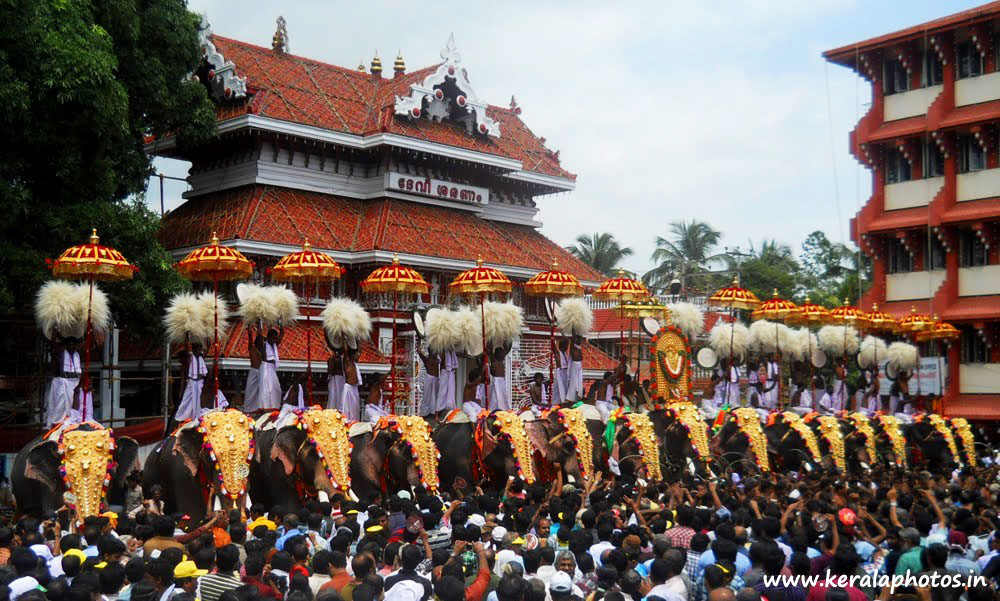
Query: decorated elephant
[(561, 440), (84, 460), (860, 442), (966, 439), (501, 449), (791, 443), (204, 460), (398, 453), (631, 442), (741, 442), (930, 440), (306, 456), (890, 440), (831, 440), (454, 437), (683, 438)]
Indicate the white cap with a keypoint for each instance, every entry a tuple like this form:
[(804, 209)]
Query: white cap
[(498, 533), (403, 494), (476, 520), (560, 583)]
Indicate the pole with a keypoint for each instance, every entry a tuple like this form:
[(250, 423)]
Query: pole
[(621, 348), (88, 339), (552, 360), (215, 338), (162, 211), (777, 376), (486, 355), (392, 362), (309, 376)]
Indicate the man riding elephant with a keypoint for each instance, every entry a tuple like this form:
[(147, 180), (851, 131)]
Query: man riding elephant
[(83, 452), (203, 459), (792, 443), (930, 435)]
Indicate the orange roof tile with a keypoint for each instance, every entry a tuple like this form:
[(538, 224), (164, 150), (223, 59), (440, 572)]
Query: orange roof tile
[(286, 216), (311, 92)]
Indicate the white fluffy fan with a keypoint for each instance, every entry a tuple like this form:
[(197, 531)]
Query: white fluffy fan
[(346, 319), (725, 337), (688, 318), (470, 331), (442, 330), (872, 349), (574, 317), (764, 336), (802, 343), (268, 304), (837, 341), (191, 318), (62, 307), (903, 356), (503, 322)]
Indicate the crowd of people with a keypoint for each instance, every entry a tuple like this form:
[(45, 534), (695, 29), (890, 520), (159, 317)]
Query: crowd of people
[(689, 539)]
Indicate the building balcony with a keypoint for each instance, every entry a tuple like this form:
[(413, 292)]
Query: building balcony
[(979, 378), (910, 104), (914, 193), (974, 90), (983, 280), (974, 185), (914, 285)]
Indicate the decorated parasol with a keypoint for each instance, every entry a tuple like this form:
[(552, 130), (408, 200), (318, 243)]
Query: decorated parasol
[(481, 281), (778, 310), (309, 268), (879, 321), (810, 314), (848, 315), (642, 310), (623, 289), (553, 284), (215, 263), (91, 262), (395, 279), (914, 323), (733, 297)]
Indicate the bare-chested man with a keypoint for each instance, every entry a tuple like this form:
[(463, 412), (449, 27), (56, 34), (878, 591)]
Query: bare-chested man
[(335, 377), (472, 393), (268, 385), (432, 371), (251, 398), (499, 398), (351, 401)]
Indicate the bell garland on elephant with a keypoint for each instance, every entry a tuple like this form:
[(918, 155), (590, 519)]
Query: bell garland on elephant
[(512, 429), (670, 377), (688, 416), (863, 426), (795, 424), (890, 425), (415, 434), (829, 428), (328, 432), (964, 431), (748, 421), (576, 428), (640, 428), (941, 426), (86, 464), (228, 436)]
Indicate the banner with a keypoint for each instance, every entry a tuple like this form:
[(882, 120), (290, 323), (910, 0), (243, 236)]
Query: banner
[(927, 378)]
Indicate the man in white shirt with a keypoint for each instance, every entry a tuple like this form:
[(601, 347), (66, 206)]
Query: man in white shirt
[(666, 582)]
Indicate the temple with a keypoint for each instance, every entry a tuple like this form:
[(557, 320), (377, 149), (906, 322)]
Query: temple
[(932, 224), (366, 165)]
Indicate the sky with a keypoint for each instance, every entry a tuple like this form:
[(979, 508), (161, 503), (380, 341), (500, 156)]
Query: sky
[(723, 112)]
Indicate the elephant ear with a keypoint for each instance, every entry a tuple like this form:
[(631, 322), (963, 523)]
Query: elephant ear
[(285, 448), (42, 465), (187, 445), (127, 457)]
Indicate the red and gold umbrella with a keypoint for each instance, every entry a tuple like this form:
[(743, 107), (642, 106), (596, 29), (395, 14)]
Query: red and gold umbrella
[(310, 268), (777, 310), (734, 297), (91, 262), (879, 321), (914, 323), (215, 263), (395, 279), (849, 315), (481, 281), (553, 284), (940, 330), (623, 289)]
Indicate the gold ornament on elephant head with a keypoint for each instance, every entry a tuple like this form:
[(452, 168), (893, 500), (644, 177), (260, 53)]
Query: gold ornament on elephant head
[(512, 428), (576, 428), (415, 434), (864, 427), (85, 465), (328, 432), (229, 440), (641, 428), (671, 365), (697, 430), (890, 426), (748, 422), (964, 431)]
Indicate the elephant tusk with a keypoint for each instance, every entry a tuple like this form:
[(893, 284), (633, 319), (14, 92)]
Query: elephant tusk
[(323, 496), (350, 493), (217, 504)]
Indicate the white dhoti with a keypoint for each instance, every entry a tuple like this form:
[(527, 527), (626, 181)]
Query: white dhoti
[(59, 399), (839, 395), (574, 382), (75, 416), (268, 385), (499, 394), (428, 399), (445, 397), (251, 398), (335, 393), (604, 408), (559, 385), (351, 403), (190, 403), (893, 404), (472, 409), (374, 412)]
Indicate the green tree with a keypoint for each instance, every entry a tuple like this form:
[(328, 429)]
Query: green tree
[(82, 83), (831, 271), (689, 249), (601, 251), (770, 266)]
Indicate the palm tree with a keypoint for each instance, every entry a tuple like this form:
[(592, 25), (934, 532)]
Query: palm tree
[(601, 251), (690, 249)]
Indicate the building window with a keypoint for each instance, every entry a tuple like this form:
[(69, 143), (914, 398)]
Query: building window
[(900, 259), (896, 78), (968, 60), (933, 73), (897, 168), (971, 250), (971, 156), (937, 253), (933, 159), (974, 350)]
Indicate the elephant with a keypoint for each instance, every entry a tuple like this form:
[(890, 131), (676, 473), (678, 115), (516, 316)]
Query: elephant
[(38, 486), (741, 442), (969, 440), (890, 440), (382, 459), (792, 444), (183, 465), (492, 450), (556, 446), (677, 451), (830, 436), (454, 438), (860, 443), (929, 444)]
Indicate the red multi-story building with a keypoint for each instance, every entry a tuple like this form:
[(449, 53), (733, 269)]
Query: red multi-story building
[(932, 224)]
